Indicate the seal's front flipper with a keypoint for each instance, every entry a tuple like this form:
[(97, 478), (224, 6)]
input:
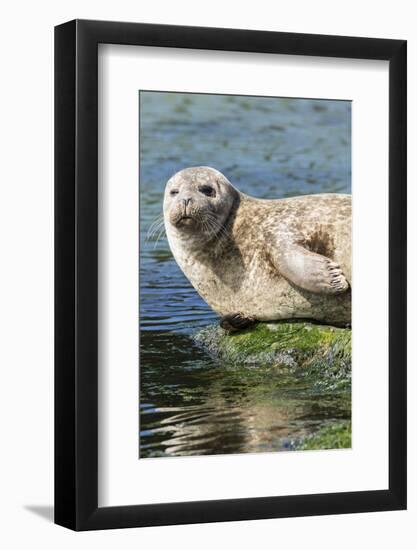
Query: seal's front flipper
[(311, 271), (236, 321)]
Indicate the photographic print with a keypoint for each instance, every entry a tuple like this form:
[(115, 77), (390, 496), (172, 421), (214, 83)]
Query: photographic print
[(244, 274)]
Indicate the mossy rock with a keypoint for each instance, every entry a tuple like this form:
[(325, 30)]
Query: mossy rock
[(318, 351), (337, 435)]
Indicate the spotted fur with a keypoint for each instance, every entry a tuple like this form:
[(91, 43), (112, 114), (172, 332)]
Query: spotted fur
[(264, 259)]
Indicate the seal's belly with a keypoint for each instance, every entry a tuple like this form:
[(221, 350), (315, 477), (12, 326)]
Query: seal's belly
[(265, 295), (259, 296)]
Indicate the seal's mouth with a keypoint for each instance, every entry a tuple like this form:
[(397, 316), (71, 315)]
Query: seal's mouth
[(185, 221)]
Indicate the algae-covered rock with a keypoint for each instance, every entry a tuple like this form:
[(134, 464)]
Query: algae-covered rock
[(317, 351), (337, 435)]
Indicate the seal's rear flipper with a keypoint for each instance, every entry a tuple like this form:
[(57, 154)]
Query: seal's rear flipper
[(236, 321)]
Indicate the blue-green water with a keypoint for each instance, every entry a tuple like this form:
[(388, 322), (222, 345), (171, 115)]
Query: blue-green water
[(267, 147)]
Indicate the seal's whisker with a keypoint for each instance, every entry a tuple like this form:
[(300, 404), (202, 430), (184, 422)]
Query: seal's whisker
[(210, 229), (215, 233), (158, 232), (212, 217), (216, 225), (150, 236), (162, 231), (157, 222), (155, 227)]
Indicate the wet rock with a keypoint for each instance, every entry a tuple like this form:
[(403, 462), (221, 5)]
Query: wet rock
[(336, 435), (320, 353)]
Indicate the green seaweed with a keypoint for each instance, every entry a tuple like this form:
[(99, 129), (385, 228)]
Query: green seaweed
[(337, 435), (319, 353)]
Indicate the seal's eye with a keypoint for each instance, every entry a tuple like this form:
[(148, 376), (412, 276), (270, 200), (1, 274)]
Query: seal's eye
[(207, 190), (174, 192)]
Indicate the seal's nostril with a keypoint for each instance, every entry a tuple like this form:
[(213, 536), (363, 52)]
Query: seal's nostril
[(186, 201)]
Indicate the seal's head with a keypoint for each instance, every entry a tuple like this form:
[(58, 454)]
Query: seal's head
[(198, 202)]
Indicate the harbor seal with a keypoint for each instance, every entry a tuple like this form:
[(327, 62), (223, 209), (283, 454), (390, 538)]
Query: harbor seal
[(260, 260)]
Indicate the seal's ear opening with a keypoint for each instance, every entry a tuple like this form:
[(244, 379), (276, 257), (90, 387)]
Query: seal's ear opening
[(235, 202), (236, 195)]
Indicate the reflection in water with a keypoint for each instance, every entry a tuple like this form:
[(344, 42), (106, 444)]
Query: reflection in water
[(191, 404), (197, 406)]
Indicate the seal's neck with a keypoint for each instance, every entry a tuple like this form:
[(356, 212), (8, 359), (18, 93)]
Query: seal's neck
[(198, 246)]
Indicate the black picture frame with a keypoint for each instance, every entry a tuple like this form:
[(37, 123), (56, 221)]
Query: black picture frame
[(76, 272)]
